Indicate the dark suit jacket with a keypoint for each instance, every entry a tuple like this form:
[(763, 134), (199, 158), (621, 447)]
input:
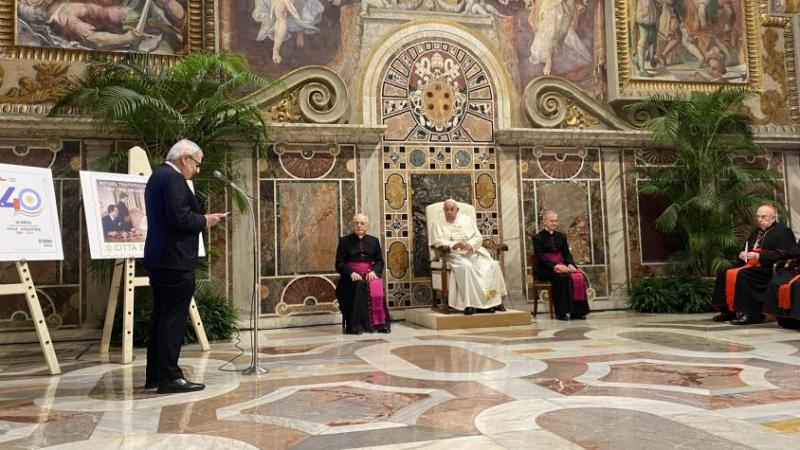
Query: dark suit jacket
[(174, 221)]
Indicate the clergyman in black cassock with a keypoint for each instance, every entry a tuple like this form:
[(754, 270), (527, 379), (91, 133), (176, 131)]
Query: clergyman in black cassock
[(556, 265), (359, 261), (782, 297), (739, 288)]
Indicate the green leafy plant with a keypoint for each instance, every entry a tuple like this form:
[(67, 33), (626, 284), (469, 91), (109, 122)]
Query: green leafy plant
[(218, 316), (195, 98), (671, 294), (715, 185)]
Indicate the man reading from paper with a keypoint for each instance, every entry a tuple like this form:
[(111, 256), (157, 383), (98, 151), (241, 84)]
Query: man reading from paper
[(738, 289), (476, 279)]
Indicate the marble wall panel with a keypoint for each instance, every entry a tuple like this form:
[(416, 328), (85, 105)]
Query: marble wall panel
[(267, 226), (308, 226), (567, 180), (58, 282), (348, 202), (270, 294)]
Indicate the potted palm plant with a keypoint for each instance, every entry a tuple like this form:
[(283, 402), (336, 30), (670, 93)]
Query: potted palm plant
[(715, 184), (155, 104)]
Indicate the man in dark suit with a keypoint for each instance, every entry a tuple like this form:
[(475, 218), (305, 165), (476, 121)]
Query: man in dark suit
[(170, 257), (123, 213), (111, 222)]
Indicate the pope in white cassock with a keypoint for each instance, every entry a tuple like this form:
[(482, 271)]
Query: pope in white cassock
[(476, 279)]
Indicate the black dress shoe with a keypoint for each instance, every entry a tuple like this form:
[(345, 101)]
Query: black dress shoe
[(748, 320), (500, 307), (577, 317), (151, 384), (179, 386), (468, 311), (561, 317), (724, 316)]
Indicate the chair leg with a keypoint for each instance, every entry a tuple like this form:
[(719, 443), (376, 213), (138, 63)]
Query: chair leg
[(535, 301), (550, 301)]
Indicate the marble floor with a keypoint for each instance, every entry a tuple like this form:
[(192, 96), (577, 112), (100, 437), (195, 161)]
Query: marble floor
[(616, 381)]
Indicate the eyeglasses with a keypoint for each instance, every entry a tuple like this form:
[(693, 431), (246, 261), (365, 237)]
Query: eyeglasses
[(196, 162), (764, 217)]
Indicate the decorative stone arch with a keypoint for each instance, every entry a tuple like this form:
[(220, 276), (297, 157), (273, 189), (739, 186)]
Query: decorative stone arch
[(400, 37)]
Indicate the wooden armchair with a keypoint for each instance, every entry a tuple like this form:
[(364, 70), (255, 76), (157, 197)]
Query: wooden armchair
[(440, 267), (540, 290)]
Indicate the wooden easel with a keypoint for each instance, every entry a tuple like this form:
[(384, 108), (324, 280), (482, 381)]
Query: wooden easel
[(26, 287), (124, 277)]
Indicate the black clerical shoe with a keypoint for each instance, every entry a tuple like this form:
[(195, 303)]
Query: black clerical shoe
[(724, 316), (500, 307), (577, 317), (561, 317), (748, 320), (469, 310), (151, 384), (179, 386)]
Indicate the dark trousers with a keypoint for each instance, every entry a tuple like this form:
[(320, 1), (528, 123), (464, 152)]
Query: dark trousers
[(172, 294), (750, 285), (561, 289)]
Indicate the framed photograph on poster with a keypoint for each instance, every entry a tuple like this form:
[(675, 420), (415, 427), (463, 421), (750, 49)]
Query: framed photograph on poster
[(29, 225), (116, 216), (674, 46)]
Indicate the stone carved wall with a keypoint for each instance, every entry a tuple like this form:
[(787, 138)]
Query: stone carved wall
[(307, 196), (569, 181)]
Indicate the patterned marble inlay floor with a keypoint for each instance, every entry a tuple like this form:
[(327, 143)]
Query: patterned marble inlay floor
[(616, 381)]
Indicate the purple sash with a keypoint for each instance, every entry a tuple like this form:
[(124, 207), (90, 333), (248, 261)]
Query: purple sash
[(578, 287), (376, 310)]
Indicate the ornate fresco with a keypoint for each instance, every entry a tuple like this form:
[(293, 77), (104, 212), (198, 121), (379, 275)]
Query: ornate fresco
[(569, 181)]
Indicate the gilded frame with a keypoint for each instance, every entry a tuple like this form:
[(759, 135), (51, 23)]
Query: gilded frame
[(626, 86), (789, 61), (201, 36)]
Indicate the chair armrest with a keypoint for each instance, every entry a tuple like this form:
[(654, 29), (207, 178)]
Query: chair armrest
[(441, 251), (495, 248)]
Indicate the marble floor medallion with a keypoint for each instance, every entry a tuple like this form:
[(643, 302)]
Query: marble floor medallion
[(617, 381)]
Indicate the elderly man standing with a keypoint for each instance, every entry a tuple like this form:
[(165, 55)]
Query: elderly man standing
[(170, 257), (739, 288), (476, 278)]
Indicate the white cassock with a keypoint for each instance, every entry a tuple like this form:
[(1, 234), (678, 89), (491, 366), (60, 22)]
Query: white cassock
[(476, 279)]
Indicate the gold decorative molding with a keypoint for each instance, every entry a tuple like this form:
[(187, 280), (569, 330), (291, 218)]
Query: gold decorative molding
[(552, 102), (201, 30), (630, 87), (43, 88), (286, 110), (320, 95)]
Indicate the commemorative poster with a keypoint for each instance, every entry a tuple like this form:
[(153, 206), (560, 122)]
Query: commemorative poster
[(116, 215), (29, 225)]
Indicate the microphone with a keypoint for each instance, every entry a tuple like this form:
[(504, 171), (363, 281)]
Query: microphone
[(218, 175), (228, 182)]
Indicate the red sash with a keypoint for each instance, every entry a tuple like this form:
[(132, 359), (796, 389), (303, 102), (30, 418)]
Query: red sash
[(578, 287), (730, 281), (377, 312), (784, 299)]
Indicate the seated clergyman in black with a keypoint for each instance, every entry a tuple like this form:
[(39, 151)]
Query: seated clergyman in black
[(739, 289)]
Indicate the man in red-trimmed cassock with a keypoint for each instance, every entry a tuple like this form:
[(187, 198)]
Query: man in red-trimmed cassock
[(782, 297), (738, 289)]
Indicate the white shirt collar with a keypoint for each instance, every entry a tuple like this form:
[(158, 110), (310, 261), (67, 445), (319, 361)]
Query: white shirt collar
[(174, 167)]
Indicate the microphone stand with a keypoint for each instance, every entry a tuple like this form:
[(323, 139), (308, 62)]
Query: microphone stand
[(255, 306)]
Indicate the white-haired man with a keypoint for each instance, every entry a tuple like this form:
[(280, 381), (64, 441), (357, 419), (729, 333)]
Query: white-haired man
[(476, 279), (170, 257)]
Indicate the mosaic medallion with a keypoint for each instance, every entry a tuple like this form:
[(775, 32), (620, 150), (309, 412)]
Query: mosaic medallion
[(435, 91), (418, 157)]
